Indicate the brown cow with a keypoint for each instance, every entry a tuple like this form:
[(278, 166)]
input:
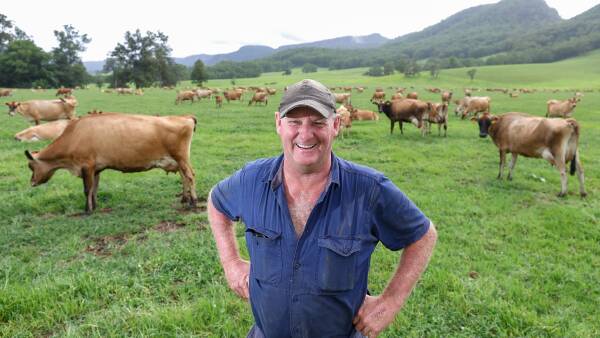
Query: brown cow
[(378, 96), (555, 140), (259, 97), (343, 98), (407, 110), (397, 96), (219, 101), (562, 109), (412, 95), (446, 97), (473, 104), (46, 131), (232, 95), (345, 120), (44, 110), (124, 91), (5, 92), (362, 115), (123, 142), (438, 114), (64, 91), (186, 95)]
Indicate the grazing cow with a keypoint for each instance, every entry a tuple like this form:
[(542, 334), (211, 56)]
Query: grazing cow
[(139, 92), (259, 97), (378, 96), (124, 91), (412, 95), (64, 91), (46, 131), (44, 110), (219, 101), (345, 120), (438, 114), (513, 95), (202, 93), (232, 95), (562, 109), (446, 97), (407, 110), (343, 98), (359, 89), (271, 91), (186, 95), (123, 142), (397, 96), (473, 104), (468, 92), (555, 140), (5, 92)]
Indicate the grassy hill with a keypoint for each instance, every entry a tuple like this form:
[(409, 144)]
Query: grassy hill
[(512, 258)]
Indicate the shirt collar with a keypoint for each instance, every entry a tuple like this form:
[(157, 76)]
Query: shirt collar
[(275, 174)]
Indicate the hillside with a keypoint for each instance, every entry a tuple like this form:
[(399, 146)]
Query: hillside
[(477, 31)]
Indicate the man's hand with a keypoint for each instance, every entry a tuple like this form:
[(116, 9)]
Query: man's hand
[(374, 316), (237, 273)]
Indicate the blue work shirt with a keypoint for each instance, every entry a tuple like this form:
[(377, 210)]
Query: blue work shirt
[(313, 286)]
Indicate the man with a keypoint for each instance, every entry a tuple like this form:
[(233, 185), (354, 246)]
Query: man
[(312, 222)]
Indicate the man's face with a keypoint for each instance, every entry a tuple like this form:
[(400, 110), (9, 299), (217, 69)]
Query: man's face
[(307, 138)]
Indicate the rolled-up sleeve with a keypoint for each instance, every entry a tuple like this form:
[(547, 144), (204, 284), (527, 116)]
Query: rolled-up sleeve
[(226, 195), (398, 221)]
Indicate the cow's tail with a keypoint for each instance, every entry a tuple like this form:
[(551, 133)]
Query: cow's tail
[(195, 121), (573, 124)]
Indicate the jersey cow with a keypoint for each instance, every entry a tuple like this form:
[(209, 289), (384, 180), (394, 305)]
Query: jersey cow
[(473, 104), (555, 140), (46, 131), (562, 109), (127, 143), (44, 110), (407, 110)]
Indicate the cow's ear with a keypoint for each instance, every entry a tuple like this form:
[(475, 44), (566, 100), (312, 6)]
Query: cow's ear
[(29, 156), (494, 119)]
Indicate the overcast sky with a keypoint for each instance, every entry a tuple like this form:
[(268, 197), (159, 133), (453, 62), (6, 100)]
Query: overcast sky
[(214, 27)]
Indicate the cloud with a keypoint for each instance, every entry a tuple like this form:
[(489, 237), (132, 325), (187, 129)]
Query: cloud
[(220, 42), (291, 37)]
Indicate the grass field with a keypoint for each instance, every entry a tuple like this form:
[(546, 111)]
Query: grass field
[(512, 258)]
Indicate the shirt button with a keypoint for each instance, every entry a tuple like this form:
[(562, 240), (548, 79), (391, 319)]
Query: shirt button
[(297, 266)]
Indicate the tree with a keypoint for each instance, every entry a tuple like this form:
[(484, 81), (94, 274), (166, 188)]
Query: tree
[(433, 66), (22, 64), (199, 74), (471, 72), (374, 71), (143, 60), (66, 63), (388, 68), (9, 32), (412, 69), (309, 68), (287, 71)]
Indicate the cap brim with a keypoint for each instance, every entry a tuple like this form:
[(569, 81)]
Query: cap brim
[(322, 109)]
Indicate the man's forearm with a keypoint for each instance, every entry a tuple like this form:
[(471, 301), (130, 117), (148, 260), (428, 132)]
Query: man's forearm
[(412, 264), (224, 233)]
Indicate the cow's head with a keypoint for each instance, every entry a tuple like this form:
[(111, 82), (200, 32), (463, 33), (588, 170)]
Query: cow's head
[(41, 172), (485, 121), (12, 107), (382, 107), (573, 103)]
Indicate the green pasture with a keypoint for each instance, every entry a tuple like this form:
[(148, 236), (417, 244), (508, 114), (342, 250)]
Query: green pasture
[(512, 258)]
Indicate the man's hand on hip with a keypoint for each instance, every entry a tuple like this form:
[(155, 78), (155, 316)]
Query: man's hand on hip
[(237, 273), (374, 316)]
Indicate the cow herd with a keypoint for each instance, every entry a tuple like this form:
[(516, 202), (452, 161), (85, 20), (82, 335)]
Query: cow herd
[(87, 145)]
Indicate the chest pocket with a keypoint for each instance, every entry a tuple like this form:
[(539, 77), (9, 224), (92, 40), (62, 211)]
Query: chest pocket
[(264, 246), (337, 263)]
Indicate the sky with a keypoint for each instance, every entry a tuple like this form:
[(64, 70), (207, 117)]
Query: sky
[(215, 27)]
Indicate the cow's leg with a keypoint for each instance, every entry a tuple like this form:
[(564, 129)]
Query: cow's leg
[(579, 169), (561, 165), (511, 166), (95, 189), (392, 127), (502, 160), (87, 176), (401, 130), (189, 183), (445, 127)]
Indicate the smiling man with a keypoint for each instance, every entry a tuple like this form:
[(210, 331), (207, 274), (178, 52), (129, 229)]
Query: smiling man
[(312, 222)]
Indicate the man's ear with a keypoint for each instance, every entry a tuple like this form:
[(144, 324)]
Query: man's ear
[(277, 122)]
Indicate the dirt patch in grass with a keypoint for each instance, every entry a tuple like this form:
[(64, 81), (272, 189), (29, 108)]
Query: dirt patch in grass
[(168, 226), (102, 246)]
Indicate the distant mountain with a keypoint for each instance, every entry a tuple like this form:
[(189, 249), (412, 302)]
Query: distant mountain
[(251, 52), (477, 31), (345, 42)]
